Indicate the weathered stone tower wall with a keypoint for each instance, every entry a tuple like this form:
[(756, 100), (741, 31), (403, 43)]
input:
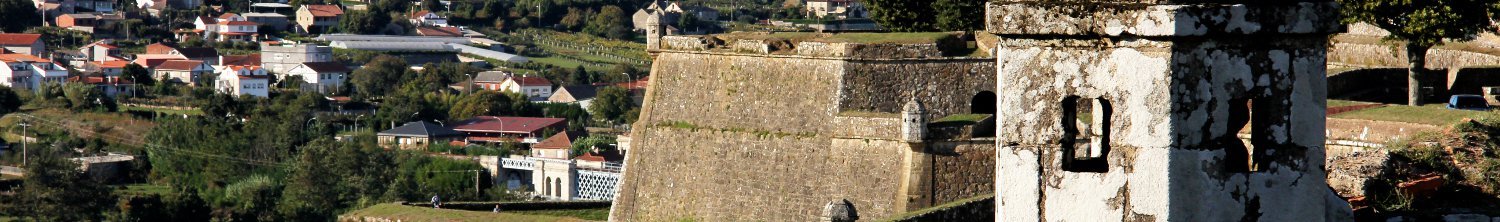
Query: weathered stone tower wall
[(1177, 81), (740, 134)]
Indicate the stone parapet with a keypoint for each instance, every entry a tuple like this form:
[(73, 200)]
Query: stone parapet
[(1161, 18)]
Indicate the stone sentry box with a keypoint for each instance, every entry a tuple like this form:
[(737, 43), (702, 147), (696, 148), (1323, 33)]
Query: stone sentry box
[(1178, 82)]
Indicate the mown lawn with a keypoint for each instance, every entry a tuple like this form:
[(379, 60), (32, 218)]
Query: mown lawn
[(1434, 114), (1337, 103), (599, 214), (410, 213)]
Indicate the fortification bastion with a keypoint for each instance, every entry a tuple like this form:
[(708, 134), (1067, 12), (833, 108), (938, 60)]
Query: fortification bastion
[(776, 126)]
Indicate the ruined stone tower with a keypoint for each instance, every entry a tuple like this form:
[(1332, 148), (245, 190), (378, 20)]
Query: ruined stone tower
[(1138, 109)]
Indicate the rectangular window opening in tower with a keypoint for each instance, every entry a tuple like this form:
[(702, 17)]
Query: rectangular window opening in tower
[(1245, 155), (1085, 143)]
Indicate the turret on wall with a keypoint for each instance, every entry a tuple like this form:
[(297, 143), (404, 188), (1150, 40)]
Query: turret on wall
[(1136, 110)]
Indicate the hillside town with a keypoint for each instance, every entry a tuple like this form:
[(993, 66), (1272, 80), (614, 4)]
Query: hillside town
[(726, 110)]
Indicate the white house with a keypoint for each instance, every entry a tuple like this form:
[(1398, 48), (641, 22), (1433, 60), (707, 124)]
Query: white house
[(243, 80), (325, 77), (531, 86), (226, 27), (29, 71), (425, 17)]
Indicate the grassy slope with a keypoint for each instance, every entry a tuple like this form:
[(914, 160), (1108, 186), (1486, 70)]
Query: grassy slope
[(410, 213), (1429, 114)]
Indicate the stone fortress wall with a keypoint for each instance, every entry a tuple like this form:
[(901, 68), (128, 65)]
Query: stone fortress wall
[(758, 130)]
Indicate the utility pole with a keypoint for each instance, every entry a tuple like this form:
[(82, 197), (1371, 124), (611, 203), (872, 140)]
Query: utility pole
[(23, 142), (476, 183)]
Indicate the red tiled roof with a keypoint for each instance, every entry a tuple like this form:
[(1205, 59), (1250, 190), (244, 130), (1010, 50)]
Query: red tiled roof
[(324, 10), (227, 15), (439, 31), (208, 20), (250, 23), (509, 124), (19, 39), (111, 64), (15, 57), (240, 60), (179, 65), (563, 140), (532, 81)]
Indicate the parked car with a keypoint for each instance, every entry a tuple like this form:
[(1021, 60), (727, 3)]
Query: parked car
[(1468, 102)]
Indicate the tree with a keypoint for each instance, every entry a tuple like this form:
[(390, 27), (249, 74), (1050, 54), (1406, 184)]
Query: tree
[(19, 15), (483, 102), (364, 22), (1423, 24), (432, 5), (610, 104), (139, 74), (574, 19), (609, 23), (54, 190), (959, 15), (903, 15), (688, 21), (379, 76), (87, 98), (592, 143), (9, 100)]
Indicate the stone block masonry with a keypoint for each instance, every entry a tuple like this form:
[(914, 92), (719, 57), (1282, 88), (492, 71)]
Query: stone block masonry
[(1169, 83), (747, 131)]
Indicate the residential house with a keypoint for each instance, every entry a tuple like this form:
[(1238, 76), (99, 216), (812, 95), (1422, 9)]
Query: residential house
[(77, 21), (110, 85), (559, 146), (671, 11), (440, 31), (29, 71), (839, 9), (86, 22), (496, 129), (182, 71), (277, 22), (536, 88), (317, 18), (226, 27), (154, 7), (205, 54), (282, 57), (150, 61), (243, 81), (107, 68), (580, 94), (160, 48), (100, 50), (490, 80), (428, 18), (30, 44), (323, 77), (417, 135), (55, 7), (240, 60)]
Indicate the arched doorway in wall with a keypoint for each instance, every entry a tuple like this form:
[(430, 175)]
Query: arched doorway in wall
[(983, 103)]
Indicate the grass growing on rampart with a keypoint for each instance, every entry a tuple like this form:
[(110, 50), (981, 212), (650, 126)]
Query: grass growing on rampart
[(412, 213), (965, 118), (1434, 114)]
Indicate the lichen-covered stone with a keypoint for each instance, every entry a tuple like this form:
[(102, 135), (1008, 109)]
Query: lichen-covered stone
[(1173, 75)]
